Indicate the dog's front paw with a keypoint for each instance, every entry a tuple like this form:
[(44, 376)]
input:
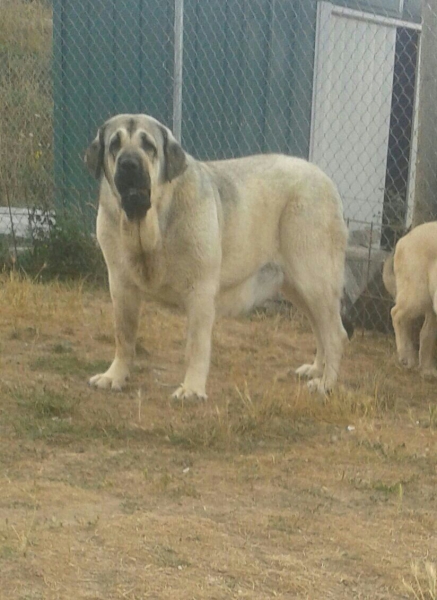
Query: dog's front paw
[(308, 371), (185, 393), (115, 378), (408, 361), (319, 385)]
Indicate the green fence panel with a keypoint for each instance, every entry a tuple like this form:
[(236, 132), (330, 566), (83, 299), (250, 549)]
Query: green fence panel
[(247, 74), (244, 86), (109, 57)]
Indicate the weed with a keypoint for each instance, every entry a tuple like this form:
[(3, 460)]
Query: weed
[(7, 552), (130, 506), (175, 487), (288, 525), (67, 364), (44, 413), (24, 536), (104, 338), (424, 582), (62, 348), (47, 404), (66, 249), (389, 489), (243, 421), (165, 556), (25, 299), (433, 416)]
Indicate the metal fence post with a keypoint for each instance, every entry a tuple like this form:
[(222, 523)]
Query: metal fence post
[(178, 65)]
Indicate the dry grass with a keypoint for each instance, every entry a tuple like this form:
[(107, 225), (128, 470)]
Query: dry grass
[(424, 581), (26, 25), (262, 492)]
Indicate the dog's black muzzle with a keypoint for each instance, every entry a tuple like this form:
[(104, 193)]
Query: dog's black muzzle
[(133, 184)]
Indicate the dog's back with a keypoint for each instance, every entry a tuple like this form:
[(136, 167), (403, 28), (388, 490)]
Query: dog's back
[(412, 241)]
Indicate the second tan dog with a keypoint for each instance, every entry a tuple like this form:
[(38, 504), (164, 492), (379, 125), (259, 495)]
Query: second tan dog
[(410, 276)]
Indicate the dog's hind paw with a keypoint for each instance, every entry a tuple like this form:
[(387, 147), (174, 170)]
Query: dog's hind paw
[(183, 393)]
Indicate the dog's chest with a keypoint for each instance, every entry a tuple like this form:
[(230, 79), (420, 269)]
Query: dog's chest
[(143, 269), (151, 273)]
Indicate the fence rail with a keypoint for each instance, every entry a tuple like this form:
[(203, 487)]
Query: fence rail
[(346, 84)]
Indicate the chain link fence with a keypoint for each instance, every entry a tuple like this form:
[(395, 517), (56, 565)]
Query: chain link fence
[(26, 121), (347, 84)]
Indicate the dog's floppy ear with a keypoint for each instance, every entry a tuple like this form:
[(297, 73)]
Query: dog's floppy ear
[(95, 154), (175, 161)]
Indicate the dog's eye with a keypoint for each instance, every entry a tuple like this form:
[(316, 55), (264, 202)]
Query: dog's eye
[(114, 146), (147, 145)]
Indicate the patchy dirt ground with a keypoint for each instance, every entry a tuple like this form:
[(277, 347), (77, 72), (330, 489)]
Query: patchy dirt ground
[(262, 492)]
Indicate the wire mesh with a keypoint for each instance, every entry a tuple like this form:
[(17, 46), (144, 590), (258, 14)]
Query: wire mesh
[(335, 82)]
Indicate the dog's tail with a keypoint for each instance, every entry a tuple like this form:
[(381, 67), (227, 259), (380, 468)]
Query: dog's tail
[(388, 275), (348, 325)]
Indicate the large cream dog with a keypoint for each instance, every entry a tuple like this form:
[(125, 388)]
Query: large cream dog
[(410, 276), (214, 237)]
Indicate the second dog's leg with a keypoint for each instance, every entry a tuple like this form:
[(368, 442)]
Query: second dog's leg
[(402, 323), (428, 336)]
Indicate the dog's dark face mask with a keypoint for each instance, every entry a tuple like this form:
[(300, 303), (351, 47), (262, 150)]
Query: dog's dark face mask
[(131, 152), (133, 184)]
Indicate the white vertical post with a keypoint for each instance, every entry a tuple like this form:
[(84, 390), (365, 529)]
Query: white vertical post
[(425, 192), (178, 63)]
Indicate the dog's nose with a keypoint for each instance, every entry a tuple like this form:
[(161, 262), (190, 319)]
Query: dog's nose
[(128, 163)]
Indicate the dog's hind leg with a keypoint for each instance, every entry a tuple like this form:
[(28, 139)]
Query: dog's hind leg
[(428, 336), (312, 291), (329, 327), (315, 369), (313, 254)]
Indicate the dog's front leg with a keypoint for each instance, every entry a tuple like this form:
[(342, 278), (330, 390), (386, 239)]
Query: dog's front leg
[(126, 300), (201, 314)]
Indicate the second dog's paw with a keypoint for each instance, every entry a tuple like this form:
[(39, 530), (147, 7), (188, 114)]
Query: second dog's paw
[(429, 373)]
